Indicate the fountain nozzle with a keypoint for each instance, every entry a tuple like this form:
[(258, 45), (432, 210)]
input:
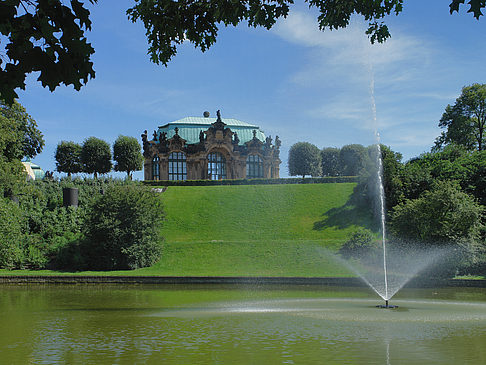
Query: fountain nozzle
[(387, 306)]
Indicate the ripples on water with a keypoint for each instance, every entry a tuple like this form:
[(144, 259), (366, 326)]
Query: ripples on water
[(117, 325)]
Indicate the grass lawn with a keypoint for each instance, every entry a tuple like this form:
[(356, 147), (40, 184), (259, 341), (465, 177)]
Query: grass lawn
[(252, 230)]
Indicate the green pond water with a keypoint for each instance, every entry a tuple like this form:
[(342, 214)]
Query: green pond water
[(152, 324)]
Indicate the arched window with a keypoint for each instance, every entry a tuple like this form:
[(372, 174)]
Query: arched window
[(155, 168), (177, 166), (216, 166), (254, 167)]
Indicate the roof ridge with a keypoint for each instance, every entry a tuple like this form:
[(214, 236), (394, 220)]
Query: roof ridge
[(209, 120)]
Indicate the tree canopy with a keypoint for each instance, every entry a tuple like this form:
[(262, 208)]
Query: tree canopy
[(353, 158), (25, 139), (465, 121), (48, 36), (127, 153), (68, 157), (96, 156), (330, 161), (442, 214), (304, 159), (19, 138)]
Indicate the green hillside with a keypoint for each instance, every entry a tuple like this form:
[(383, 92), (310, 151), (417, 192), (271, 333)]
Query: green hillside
[(274, 230), (250, 230)]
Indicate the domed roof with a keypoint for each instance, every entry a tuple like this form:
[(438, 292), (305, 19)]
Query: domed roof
[(190, 127)]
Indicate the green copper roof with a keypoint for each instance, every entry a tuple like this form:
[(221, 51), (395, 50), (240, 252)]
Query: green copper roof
[(190, 127), (38, 172)]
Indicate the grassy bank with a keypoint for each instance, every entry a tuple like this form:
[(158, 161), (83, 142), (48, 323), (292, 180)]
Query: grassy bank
[(254, 230)]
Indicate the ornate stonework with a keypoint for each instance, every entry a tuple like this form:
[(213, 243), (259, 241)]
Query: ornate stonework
[(216, 153)]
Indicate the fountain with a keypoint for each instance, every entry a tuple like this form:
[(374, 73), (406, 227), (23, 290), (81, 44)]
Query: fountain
[(387, 274), (388, 268)]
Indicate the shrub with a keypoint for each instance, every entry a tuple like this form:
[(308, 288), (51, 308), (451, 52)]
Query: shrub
[(122, 229), (359, 243), (11, 234), (443, 214)]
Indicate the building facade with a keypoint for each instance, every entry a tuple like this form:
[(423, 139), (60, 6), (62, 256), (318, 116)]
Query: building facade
[(195, 148)]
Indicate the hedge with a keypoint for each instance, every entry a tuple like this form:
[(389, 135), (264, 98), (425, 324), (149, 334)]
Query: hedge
[(292, 180)]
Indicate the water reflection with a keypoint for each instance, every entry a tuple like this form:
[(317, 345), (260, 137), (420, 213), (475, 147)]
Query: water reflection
[(220, 325)]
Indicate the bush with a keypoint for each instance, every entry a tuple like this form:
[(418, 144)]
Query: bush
[(12, 235), (359, 243), (122, 229), (281, 181), (443, 214)]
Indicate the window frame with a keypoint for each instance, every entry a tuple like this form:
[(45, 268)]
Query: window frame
[(216, 166), (177, 166), (156, 168), (254, 167)]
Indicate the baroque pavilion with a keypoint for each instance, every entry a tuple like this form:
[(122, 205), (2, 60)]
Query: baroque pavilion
[(208, 148)]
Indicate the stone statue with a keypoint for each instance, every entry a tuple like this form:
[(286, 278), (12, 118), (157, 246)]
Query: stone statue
[(155, 135), (201, 137), (145, 142), (218, 114), (254, 133), (237, 139), (268, 141), (278, 142)]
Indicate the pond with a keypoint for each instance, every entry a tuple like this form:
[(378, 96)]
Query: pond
[(218, 324)]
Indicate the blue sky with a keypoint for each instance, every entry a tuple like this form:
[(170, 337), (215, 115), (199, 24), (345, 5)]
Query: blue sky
[(293, 81)]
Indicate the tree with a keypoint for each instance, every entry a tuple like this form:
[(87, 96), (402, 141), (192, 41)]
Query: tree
[(123, 229), (465, 121), (367, 193), (96, 156), (330, 161), (127, 153), (45, 37), (443, 214), (452, 163), (48, 36), (19, 137), (392, 167), (68, 157), (353, 158), (26, 140), (304, 159)]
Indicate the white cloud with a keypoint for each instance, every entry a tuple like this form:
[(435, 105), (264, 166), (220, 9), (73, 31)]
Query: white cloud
[(350, 46)]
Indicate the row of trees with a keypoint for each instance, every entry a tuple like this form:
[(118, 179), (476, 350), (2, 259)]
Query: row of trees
[(94, 156), (464, 125), (307, 159)]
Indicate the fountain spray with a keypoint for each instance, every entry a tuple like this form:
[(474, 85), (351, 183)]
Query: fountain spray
[(379, 163), (382, 218)]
